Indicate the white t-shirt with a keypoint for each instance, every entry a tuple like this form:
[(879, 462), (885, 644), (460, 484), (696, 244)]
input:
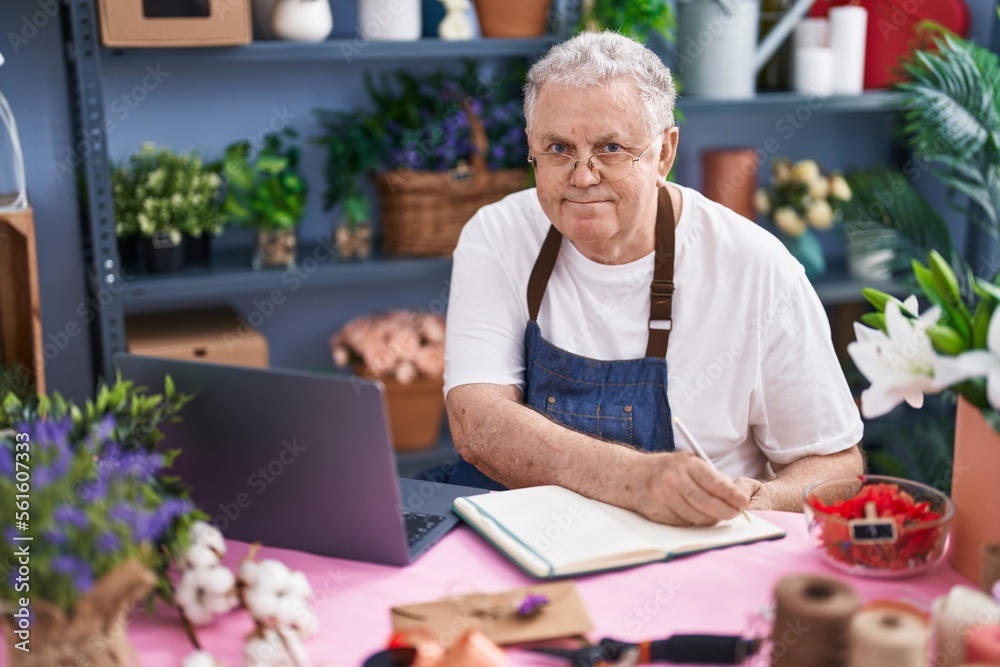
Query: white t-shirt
[(751, 368)]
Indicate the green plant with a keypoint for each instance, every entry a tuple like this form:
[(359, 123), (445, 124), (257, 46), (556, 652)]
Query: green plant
[(264, 191), (951, 119), (633, 18), (18, 381), (99, 491), (159, 191)]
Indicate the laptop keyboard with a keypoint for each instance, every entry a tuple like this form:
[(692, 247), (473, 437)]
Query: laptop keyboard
[(419, 524)]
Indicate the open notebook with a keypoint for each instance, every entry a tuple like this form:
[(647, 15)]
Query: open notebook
[(550, 531)]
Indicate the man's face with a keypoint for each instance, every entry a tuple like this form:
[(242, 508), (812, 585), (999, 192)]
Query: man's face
[(609, 221)]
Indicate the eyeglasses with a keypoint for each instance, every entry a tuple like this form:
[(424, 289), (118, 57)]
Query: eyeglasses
[(606, 166)]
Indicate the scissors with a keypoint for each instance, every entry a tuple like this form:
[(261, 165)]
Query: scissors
[(690, 649)]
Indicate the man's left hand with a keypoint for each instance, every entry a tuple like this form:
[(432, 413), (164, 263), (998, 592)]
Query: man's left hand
[(760, 497)]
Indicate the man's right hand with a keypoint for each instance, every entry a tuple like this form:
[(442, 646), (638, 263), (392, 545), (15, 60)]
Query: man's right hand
[(680, 489)]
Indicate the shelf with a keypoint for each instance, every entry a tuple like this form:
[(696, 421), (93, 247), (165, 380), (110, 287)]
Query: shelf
[(835, 287), (230, 274), (874, 100), (345, 50)]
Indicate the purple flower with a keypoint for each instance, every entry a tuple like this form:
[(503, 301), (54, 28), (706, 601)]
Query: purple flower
[(55, 536), (531, 604), (76, 569), (68, 515), (10, 533), (107, 543), (164, 516), (94, 490), (103, 430)]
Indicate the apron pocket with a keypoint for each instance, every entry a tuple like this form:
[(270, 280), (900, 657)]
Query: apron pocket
[(603, 420)]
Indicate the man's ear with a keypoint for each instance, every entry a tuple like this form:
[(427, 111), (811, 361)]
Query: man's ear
[(668, 152)]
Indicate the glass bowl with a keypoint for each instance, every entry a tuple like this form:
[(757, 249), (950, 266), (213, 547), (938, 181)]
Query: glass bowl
[(878, 526)]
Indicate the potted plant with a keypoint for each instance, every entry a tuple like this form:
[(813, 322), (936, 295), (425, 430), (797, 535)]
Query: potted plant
[(266, 192), (440, 146), (104, 520), (801, 199), (636, 19), (159, 195), (404, 349), (955, 344)]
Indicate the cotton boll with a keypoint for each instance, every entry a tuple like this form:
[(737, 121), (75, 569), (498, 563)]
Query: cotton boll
[(306, 624), (288, 609), (262, 603), (220, 604), (206, 535), (298, 585), (274, 650), (249, 572), (198, 557), (274, 575), (200, 659)]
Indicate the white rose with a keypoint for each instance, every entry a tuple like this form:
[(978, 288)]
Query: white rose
[(840, 189), (820, 215), (805, 171), (782, 172), (789, 222), (819, 188), (761, 202)]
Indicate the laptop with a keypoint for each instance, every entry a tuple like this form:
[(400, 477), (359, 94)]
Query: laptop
[(297, 460)]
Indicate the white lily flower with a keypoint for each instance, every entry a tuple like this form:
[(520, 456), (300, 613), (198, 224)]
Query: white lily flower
[(901, 364)]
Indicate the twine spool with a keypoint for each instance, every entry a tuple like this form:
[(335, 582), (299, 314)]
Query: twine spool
[(889, 634), (812, 620)]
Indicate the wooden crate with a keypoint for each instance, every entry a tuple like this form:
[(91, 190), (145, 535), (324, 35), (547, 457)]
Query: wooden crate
[(20, 308)]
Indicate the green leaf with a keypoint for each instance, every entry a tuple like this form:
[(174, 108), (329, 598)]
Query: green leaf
[(981, 321), (878, 299), (874, 320), (946, 340)]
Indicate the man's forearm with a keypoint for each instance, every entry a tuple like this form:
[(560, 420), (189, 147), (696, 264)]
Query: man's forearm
[(784, 492), (538, 451)]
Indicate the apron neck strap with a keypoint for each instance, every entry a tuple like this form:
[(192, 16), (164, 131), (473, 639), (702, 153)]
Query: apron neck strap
[(661, 290), (539, 279)]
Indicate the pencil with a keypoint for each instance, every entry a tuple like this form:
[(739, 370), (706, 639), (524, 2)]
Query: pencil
[(699, 451)]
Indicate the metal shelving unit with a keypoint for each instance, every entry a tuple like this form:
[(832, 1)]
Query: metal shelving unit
[(341, 50), (230, 274)]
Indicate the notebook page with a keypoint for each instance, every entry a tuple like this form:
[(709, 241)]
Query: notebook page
[(569, 531), (676, 540)]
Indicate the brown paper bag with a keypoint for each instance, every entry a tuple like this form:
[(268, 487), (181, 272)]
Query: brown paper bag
[(495, 614)]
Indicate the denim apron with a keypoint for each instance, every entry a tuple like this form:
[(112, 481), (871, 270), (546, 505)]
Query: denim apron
[(617, 401)]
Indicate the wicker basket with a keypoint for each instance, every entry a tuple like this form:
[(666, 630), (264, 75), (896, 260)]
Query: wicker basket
[(423, 212)]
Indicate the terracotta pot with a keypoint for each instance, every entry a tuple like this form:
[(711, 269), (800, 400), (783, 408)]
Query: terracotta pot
[(503, 18), (729, 177), (416, 410), (974, 490)]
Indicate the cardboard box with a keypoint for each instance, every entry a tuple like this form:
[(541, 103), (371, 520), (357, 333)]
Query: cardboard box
[(217, 336), (125, 23), (20, 308)]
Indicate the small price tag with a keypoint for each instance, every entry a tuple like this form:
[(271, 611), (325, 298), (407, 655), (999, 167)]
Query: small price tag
[(872, 529)]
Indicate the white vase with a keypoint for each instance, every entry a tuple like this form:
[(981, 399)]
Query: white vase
[(870, 266), (302, 20), (395, 20)]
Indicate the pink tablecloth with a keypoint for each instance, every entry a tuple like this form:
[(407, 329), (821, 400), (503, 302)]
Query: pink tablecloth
[(713, 592)]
